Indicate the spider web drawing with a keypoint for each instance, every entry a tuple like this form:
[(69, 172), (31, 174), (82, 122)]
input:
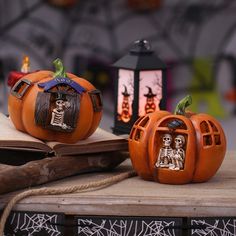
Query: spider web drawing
[(104, 30), (215, 227), (34, 223), (86, 26), (107, 227)]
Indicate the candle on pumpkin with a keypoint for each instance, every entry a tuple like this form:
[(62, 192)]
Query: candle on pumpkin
[(14, 76)]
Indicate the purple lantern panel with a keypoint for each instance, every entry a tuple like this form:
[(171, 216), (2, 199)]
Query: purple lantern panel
[(150, 91)]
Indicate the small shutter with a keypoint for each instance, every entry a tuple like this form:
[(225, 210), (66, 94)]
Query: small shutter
[(96, 98), (42, 109), (71, 114)]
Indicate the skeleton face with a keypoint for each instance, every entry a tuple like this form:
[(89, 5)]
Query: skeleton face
[(167, 139), (179, 141), (60, 104)]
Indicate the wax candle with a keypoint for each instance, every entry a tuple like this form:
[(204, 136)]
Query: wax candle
[(14, 76)]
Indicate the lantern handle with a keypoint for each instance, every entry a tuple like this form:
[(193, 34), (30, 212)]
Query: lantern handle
[(59, 69), (182, 105)]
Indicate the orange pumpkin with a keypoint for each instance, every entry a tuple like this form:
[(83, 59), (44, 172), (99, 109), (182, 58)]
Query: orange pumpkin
[(43, 103), (177, 148)]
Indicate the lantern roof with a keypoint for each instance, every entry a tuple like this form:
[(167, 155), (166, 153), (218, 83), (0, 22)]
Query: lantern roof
[(140, 57)]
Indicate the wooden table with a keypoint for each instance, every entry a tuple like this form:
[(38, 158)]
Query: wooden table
[(138, 198)]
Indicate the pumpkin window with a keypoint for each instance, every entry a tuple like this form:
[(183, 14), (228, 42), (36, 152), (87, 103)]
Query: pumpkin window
[(138, 120), (207, 140), (138, 134), (209, 128), (217, 139), (174, 123), (204, 127), (132, 133), (213, 126), (96, 99), (144, 122), (20, 88)]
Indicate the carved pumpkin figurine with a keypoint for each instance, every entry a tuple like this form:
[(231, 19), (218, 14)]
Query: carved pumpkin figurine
[(177, 148), (55, 106), (150, 105), (125, 115)]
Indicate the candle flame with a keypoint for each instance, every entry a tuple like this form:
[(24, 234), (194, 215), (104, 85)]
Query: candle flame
[(25, 68)]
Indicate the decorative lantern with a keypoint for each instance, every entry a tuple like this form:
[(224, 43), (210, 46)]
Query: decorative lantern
[(140, 86)]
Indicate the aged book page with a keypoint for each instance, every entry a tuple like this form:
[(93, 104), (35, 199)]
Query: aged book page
[(10, 138), (99, 141)]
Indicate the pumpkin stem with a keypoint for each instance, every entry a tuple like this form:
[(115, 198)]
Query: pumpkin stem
[(59, 69), (182, 105)]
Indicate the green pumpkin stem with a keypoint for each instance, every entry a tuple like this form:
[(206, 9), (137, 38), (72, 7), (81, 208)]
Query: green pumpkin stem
[(182, 105), (59, 69)]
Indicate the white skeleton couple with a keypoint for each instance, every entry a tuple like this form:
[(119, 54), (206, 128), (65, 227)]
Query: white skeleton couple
[(169, 157)]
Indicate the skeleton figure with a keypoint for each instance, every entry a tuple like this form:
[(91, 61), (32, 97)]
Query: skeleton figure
[(58, 114), (177, 160), (165, 153)]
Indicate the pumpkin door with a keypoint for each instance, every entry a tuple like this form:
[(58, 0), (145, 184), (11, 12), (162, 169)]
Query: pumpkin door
[(164, 173), (55, 106), (138, 143)]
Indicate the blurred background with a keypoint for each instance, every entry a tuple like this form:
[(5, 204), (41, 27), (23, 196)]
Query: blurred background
[(196, 39)]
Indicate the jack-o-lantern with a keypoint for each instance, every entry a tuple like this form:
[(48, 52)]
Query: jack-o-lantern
[(55, 106), (177, 148), (150, 105), (125, 115)]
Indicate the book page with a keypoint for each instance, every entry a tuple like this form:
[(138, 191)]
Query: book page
[(99, 141), (12, 138)]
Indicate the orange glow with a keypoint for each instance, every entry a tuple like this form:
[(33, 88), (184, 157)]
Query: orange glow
[(125, 114), (150, 105), (25, 68), (150, 91)]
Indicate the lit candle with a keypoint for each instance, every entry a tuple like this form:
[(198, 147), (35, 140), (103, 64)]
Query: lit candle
[(14, 76)]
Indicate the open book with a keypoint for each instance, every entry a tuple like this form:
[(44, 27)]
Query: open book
[(100, 141)]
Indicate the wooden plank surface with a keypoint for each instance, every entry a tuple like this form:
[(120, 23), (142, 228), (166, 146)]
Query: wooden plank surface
[(136, 197), (42, 171)]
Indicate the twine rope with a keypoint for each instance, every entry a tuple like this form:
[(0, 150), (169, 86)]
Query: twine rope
[(61, 190)]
